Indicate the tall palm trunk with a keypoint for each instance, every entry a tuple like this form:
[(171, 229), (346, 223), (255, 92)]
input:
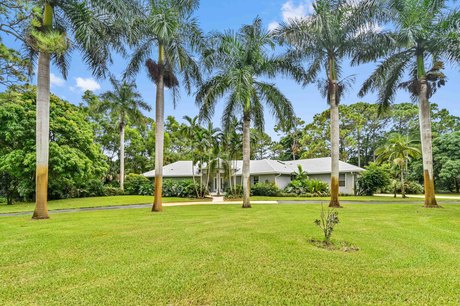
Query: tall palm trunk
[(334, 155), (427, 154), (159, 135), (43, 125), (122, 155), (425, 135), (403, 188), (246, 160)]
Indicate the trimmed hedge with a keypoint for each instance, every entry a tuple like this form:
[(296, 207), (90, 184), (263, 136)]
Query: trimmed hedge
[(265, 189)]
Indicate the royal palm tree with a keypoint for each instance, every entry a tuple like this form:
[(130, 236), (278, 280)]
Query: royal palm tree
[(125, 104), (399, 150), (424, 32), (324, 39), (168, 27), (240, 61), (95, 27)]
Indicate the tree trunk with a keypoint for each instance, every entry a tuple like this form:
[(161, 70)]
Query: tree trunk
[(426, 140), (359, 148), (159, 136), (43, 126), (122, 156), (246, 182), (334, 154), (403, 188)]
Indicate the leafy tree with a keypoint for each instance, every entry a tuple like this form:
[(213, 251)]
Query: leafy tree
[(374, 178), (291, 142), (334, 31), (446, 151), (95, 26), (125, 105), (76, 160), (169, 27), (239, 61), (424, 31), (399, 150), (13, 18), (261, 143)]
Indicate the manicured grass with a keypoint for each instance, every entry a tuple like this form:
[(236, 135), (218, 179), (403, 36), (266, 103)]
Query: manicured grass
[(222, 254), (352, 198), (91, 202)]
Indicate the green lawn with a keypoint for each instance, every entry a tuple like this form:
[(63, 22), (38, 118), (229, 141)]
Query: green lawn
[(353, 198), (222, 254), (90, 202)]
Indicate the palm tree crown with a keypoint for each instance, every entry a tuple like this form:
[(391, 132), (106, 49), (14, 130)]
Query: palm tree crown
[(399, 151), (425, 31), (125, 104), (239, 61)]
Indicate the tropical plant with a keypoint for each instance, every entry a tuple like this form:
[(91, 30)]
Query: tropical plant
[(95, 28), (300, 174), (169, 27), (269, 189), (374, 178), (307, 187), (399, 150), (125, 104), (423, 31), (239, 61), (329, 218), (333, 32)]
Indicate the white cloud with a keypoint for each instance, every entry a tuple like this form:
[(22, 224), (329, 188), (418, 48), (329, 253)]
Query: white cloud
[(87, 84), (273, 25), (56, 81), (290, 10)]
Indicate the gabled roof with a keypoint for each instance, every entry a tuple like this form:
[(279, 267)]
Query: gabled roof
[(181, 168), (260, 167), (322, 165), (265, 166)]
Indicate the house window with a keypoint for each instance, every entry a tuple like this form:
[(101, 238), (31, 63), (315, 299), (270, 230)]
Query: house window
[(256, 179), (342, 181)]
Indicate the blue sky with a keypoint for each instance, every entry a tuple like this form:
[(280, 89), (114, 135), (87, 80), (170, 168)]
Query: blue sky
[(220, 15)]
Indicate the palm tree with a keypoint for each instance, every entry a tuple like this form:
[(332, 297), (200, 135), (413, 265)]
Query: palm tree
[(424, 31), (332, 33), (125, 103), (169, 27), (189, 131), (96, 28), (399, 150), (240, 61)]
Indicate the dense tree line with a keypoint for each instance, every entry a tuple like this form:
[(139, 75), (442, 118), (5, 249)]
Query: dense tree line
[(412, 51)]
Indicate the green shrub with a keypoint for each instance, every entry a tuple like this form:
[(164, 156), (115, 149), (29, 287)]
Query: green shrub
[(112, 191), (411, 187), (374, 178), (265, 189), (136, 184), (414, 188), (182, 188), (236, 192), (306, 187)]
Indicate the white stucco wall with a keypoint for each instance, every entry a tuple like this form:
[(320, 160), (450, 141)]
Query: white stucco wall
[(282, 181), (349, 182)]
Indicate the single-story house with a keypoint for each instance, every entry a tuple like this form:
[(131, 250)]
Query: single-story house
[(266, 170)]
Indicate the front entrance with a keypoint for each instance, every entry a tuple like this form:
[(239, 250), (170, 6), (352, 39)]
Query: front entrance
[(218, 186)]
